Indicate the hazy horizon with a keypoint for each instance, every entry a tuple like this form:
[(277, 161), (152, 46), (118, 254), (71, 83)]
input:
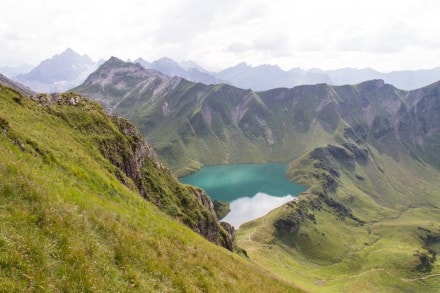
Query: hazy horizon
[(133, 60), (383, 35)]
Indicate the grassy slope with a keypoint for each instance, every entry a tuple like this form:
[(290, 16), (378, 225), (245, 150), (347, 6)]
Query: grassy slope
[(67, 224), (329, 254)]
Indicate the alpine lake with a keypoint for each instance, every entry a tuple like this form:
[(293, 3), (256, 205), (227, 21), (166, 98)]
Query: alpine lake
[(251, 189)]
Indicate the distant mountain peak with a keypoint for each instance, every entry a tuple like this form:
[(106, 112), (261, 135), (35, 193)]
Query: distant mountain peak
[(70, 54), (140, 59), (167, 61), (189, 64), (69, 51), (376, 83), (113, 65), (165, 58), (58, 73), (114, 59), (114, 62), (242, 64)]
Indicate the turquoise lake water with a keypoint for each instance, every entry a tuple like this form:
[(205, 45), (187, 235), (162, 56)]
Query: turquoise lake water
[(230, 182), (253, 190)]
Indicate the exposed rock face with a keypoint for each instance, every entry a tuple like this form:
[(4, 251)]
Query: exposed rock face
[(342, 155), (138, 161), (208, 228), (331, 158), (137, 166), (141, 151), (303, 210), (360, 154), (291, 223), (230, 229), (229, 240)]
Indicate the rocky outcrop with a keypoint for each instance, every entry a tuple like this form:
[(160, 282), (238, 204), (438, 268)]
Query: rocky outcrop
[(208, 227), (229, 229), (134, 162), (300, 211), (229, 236), (331, 158), (291, 223), (360, 154), (138, 161)]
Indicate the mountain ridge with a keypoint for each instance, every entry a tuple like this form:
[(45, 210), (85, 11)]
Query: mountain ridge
[(258, 78), (201, 116), (171, 68), (366, 152)]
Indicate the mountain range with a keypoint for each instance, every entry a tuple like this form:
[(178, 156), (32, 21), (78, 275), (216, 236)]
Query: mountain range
[(16, 70), (90, 201), (368, 154), (178, 116), (58, 73), (190, 70), (265, 77), (69, 69)]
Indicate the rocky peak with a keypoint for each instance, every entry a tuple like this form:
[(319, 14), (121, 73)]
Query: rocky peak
[(373, 84), (107, 70)]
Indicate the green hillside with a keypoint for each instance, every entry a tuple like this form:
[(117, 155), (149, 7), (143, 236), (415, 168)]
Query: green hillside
[(191, 125), (377, 231), (72, 215)]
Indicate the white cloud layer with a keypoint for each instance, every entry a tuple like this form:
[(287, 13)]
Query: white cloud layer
[(386, 35), (245, 209)]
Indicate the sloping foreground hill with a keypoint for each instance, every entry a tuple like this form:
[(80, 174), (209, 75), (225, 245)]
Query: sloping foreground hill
[(67, 223)]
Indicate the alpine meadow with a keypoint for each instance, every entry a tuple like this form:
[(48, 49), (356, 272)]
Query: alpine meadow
[(220, 146)]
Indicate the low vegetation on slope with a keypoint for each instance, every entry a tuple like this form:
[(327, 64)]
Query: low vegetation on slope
[(68, 224), (368, 223)]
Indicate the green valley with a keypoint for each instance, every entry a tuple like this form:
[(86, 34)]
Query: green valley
[(368, 154)]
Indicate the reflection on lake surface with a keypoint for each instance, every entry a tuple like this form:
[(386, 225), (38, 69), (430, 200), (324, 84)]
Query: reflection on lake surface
[(252, 189), (245, 209)]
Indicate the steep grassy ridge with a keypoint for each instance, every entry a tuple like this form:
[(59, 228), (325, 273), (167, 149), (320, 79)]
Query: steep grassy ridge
[(68, 224)]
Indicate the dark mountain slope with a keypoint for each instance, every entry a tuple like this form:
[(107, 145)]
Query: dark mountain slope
[(194, 124)]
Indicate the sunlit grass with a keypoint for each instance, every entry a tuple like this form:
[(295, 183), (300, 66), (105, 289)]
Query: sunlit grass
[(67, 224)]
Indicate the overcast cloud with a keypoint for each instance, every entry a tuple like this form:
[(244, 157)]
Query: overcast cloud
[(385, 35)]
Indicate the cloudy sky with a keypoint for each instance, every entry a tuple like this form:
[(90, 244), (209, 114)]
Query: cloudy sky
[(385, 35)]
